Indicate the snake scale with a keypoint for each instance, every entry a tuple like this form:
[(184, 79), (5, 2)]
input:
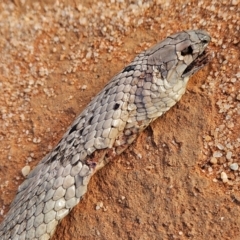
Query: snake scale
[(143, 91)]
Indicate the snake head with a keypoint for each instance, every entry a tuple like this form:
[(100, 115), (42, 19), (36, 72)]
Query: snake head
[(180, 55), (194, 53)]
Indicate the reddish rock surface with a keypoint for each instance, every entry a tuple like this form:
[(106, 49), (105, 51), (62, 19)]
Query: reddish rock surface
[(163, 186)]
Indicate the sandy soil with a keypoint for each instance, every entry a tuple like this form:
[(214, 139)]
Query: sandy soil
[(56, 57)]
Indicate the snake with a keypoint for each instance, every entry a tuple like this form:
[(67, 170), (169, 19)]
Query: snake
[(143, 91)]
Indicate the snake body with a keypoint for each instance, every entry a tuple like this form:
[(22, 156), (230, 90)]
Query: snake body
[(144, 90)]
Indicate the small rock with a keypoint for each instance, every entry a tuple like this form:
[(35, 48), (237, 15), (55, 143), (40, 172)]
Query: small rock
[(84, 87), (43, 71), (238, 97), (217, 154), (25, 170), (123, 197), (105, 208), (224, 177), (210, 169), (88, 55), (99, 205), (213, 160), (98, 208), (220, 146), (229, 155), (56, 39), (234, 166), (208, 138)]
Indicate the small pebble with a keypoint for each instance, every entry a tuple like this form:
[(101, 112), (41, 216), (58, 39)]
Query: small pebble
[(229, 155), (213, 160), (217, 154), (224, 177), (234, 166), (208, 138), (220, 146), (84, 87), (99, 205), (210, 169), (25, 170)]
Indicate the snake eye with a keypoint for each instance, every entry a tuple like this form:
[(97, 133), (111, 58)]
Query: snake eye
[(186, 51), (204, 41)]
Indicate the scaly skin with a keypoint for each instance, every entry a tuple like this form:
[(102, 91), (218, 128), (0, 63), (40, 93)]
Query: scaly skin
[(144, 90)]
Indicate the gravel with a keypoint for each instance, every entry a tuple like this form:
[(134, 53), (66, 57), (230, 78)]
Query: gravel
[(234, 166), (26, 170), (224, 177), (76, 39)]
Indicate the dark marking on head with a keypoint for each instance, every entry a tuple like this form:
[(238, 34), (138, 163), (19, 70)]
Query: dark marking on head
[(74, 128), (90, 120), (186, 51), (52, 158), (116, 106), (57, 148), (76, 163), (81, 131), (106, 92), (129, 68)]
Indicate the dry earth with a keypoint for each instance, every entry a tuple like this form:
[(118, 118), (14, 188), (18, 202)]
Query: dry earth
[(175, 181)]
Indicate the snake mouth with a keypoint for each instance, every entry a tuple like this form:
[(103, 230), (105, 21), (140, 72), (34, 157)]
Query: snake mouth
[(202, 60)]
